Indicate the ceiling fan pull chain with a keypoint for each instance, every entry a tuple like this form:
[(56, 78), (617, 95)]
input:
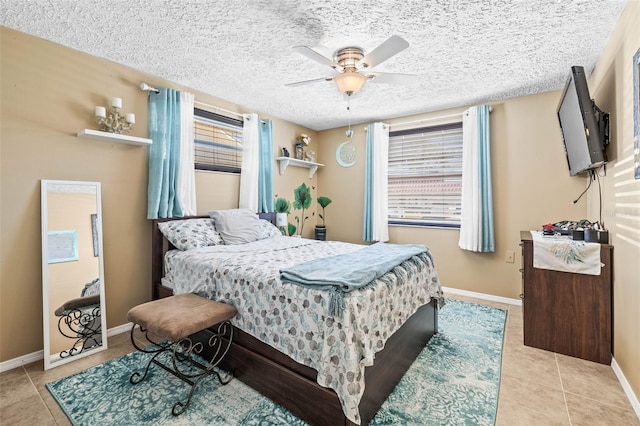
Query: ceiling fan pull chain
[(349, 132)]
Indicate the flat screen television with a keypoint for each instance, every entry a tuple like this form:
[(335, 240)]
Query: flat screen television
[(584, 126)]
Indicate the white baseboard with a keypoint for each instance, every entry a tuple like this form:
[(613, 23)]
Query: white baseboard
[(39, 355), (20, 361), (633, 399), (119, 329), (483, 296)]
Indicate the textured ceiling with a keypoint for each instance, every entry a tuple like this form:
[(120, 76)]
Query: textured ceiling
[(465, 52)]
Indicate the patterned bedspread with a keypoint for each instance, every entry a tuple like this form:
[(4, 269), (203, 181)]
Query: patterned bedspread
[(294, 319)]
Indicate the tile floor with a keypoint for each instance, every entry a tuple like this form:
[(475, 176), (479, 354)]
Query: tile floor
[(537, 387)]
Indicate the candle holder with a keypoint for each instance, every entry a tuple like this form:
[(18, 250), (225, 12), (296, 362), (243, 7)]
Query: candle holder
[(114, 122)]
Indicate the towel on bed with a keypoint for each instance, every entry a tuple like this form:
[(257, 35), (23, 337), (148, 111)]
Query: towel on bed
[(346, 272)]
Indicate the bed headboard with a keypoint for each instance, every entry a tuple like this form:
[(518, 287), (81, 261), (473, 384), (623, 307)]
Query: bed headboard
[(160, 245)]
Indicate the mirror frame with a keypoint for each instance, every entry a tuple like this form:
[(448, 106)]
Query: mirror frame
[(44, 188)]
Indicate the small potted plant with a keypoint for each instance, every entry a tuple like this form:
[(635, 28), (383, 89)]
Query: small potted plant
[(282, 208), (321, 230)]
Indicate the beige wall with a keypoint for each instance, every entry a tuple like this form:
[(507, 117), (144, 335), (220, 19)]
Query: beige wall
[(220, 190), (48, 94), (611, 85), (531, 186)]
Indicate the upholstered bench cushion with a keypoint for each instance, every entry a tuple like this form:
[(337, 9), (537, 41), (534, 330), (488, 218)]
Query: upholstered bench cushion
[(78, 303), (178, 316)]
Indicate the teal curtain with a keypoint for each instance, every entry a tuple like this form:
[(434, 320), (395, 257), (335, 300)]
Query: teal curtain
[(486, 195), (476, 224), (164, 154), (265, 168)]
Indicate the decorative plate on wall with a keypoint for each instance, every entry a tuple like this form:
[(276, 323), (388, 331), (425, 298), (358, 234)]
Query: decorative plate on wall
[(346, 154)]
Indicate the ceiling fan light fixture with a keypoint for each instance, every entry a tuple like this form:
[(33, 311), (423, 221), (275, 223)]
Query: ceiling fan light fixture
[(349, 82)]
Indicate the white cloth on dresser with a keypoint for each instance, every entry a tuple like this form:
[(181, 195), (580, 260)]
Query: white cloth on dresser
[(561, 253)]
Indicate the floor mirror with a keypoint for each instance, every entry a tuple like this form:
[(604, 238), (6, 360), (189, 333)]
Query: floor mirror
[(72, 271)]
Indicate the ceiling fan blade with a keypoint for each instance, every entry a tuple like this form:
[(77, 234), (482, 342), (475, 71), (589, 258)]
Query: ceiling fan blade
[(392, 46), (318, 57), (302, 83), (392, 78)]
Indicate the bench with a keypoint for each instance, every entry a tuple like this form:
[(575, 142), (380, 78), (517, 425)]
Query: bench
[(168, 324), (80, 319)]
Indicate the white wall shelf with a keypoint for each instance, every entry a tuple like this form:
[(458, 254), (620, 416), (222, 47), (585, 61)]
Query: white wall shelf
[(113, 137), (284, 162)]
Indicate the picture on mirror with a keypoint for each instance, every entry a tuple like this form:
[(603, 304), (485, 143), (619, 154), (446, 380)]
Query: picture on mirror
[(94, 232), (63, 246)]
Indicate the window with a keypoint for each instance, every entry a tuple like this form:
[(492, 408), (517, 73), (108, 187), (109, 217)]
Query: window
[(217, 143), (425, 176)]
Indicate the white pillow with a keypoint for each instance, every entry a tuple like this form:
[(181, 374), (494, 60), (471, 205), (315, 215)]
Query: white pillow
[(190, 233), (236, 226)]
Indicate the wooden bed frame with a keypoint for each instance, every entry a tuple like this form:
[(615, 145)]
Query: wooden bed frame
[(293, 385)]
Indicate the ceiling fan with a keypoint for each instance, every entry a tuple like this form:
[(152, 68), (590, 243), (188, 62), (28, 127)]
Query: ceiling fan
[(351, 63)]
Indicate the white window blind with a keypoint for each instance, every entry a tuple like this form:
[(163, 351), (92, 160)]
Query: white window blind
[(425, 176), (218, 142)]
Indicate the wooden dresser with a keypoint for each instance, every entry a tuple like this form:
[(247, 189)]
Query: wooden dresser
[(565, 312)]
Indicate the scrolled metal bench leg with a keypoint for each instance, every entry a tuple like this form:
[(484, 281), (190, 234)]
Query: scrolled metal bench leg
[(83, 326), (136, 377), (183, 353), (217, 339)]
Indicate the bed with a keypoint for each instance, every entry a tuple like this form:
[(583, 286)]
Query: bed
[(279, 363)]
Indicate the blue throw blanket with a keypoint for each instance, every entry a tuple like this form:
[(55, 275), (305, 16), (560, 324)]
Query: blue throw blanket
[(351, 271)]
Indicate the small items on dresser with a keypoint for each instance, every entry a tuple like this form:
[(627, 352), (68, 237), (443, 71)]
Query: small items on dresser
[(582, 230)]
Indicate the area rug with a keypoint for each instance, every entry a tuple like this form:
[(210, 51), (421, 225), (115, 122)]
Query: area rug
[(454, 381)]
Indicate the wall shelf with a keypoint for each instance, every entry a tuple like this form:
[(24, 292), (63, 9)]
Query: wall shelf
[(113, 137), (284, 162)]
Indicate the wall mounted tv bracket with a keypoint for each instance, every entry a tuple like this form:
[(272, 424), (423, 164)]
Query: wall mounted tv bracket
[(603, 124)]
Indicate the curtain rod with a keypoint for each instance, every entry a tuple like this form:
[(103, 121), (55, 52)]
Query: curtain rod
[(147, 88), (442, 117), (217, 108)]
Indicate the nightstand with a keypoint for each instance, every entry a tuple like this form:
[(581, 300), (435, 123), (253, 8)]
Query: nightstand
[(565, 312)]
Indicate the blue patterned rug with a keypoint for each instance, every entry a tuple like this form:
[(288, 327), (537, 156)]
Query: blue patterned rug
[(454, 381)]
